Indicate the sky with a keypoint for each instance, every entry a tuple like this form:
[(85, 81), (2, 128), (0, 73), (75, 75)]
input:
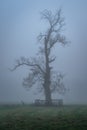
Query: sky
[(20, 24)]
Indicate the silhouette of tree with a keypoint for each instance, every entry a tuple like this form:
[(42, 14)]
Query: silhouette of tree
[(41, 69)]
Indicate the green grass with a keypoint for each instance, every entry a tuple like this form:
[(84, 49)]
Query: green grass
[(43, 118)]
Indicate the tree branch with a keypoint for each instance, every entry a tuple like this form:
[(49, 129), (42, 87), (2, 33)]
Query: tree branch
[(52, 59), (24, 61), (53, 34)]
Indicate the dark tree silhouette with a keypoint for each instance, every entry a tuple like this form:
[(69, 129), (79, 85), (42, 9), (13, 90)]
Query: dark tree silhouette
[(41, 69)]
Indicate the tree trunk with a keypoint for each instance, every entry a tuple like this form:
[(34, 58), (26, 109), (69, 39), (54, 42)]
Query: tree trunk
[(47, 90), (47, 93), (47, 81)]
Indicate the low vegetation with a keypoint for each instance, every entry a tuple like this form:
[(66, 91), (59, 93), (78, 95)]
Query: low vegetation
[(43, 118)]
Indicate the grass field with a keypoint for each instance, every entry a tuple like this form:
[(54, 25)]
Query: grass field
[(43, 118)]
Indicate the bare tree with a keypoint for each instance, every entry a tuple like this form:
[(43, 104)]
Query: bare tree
[(41, 69)]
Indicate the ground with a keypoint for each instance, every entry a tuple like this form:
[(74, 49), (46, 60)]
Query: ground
[(43, 118)]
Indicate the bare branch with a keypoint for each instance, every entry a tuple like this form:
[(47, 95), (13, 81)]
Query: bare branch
[(52, 59), (30, 80), (48, 16), (53, 34), (57, 84), (33, 78), (41, 36), (24, 61)]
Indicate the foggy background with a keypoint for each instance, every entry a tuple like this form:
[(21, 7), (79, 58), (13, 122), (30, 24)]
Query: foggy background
[(20, 24)]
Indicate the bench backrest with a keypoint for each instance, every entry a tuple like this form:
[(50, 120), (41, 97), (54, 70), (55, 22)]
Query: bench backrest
[(57, 102)]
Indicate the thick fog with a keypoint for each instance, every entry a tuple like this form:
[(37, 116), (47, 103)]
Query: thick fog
[(20, 24)]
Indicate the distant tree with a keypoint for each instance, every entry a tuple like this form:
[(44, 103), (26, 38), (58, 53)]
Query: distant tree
[(41, 68)]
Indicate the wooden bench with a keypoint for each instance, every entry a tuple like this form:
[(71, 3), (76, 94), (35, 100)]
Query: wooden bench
[(55, 102)]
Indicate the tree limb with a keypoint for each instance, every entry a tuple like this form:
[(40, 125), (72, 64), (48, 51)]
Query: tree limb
[(52, 59), (24, 61)]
